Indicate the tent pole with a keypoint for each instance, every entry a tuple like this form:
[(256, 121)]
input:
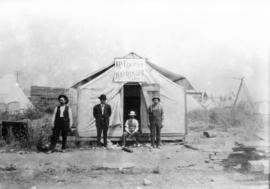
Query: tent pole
[(77, 137), (186, 125), (238, 92)]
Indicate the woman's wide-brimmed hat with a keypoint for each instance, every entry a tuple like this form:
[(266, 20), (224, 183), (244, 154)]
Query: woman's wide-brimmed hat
[(102, 97), (132, 113), (63, 96)]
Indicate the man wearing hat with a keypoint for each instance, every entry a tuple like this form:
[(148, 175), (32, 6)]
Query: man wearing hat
[(131, 128), (62, 122), (155, 113), (102, 113)]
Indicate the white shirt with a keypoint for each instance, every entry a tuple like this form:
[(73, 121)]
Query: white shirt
[(102, 108), (62, 108), (131, 125)]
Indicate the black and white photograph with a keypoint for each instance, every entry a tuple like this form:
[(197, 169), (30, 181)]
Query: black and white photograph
[(146, 94)]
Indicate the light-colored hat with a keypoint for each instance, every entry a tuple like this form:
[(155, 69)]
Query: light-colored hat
[(132, 113)]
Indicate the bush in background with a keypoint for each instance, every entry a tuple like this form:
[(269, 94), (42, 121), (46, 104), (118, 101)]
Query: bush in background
[(40, 132), (32, 114)]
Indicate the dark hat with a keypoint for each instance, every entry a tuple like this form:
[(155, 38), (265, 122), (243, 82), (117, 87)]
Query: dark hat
[(102, 97), (63, 96), (155, 97)]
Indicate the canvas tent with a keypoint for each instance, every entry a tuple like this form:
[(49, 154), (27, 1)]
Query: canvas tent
[(124, 96), (12, 97)]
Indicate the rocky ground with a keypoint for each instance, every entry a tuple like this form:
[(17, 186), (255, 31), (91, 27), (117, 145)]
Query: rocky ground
[(197, 164)]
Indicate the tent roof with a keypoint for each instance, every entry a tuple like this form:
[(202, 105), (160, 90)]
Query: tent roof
[(91, 76), (10, 91), (170, 75)]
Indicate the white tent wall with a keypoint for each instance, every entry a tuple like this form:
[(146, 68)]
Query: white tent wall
[(88, 97), (72, 95), (172, 99), (173, 102), (144, 115)]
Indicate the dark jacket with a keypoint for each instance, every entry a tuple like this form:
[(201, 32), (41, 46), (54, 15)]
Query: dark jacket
[(102, 119)]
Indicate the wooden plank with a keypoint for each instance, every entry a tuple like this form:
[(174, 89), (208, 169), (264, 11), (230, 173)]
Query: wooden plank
[(142, 138)]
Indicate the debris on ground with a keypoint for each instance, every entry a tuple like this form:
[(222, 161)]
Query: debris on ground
[(217, 156), (10, 167), (127, 149), (147, 182), (11, 150), (185, 166), (2, 151), (247, 158), (112, 146), (126, 166), (21, 152), (156, 170), (259, 166), (191, 147), (207, 134)]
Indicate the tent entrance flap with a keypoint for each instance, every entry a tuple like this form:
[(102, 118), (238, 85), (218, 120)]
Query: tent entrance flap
[(132, 100)]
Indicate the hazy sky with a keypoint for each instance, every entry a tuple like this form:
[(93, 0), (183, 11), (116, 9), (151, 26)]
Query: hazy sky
[(55, 43)]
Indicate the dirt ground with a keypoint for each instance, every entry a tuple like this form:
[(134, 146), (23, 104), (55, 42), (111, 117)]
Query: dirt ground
[(172, 166)]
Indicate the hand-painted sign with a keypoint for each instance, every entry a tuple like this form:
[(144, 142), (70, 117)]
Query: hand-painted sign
[(129, 70)]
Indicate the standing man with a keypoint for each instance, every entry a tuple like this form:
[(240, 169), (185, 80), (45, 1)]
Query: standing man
[(62, 122), (102, 113), (155, 112)]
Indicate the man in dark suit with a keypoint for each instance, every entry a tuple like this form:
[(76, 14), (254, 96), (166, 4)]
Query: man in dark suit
[(102, 113)]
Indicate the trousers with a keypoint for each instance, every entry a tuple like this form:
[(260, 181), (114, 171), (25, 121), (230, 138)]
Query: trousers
[(127, 135), (62, 127), (102, 128), (155, 129)]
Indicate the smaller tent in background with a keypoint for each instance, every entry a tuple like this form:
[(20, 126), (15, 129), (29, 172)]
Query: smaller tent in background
[(243, 98), (238, 97), (262, 107), (195, 100), (12, 97), (193, 104)]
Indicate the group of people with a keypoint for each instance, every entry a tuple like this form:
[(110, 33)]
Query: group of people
[(62, 122)]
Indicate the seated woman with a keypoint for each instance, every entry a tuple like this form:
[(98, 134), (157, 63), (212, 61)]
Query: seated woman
[(131, 128)]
